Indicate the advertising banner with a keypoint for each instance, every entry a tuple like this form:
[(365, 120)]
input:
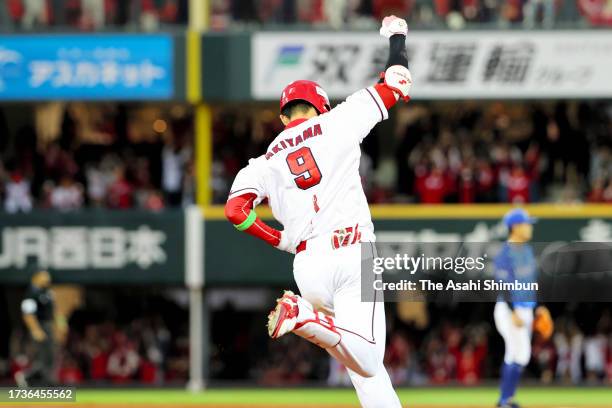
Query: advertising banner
[(86, 67), (259, 264), (99, 247), (444, 65)]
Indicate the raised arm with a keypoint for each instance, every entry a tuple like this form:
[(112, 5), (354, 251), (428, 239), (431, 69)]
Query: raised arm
[(367, 107), (396, 80)]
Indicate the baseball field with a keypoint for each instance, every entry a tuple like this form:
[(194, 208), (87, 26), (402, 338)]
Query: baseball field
[(540, 397)]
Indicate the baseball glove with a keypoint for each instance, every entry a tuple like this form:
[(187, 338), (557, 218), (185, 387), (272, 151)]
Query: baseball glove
[(543, 323)]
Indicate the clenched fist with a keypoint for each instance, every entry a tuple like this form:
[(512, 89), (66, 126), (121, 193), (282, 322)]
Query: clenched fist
[(392, 25)]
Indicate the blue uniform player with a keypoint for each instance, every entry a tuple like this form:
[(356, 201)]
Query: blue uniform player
[(514, 314)]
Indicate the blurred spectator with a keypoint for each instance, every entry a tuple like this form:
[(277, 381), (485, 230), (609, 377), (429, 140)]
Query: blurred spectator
[(399, 360), (35, 14), (97, 183), (597, 12), (120, 190), (17, 194), (189, 184), (432, 187), (6, 21), (468, 365), (151, 199), (174, 160), (545, 356), (67, 196), (69, 372), (595, 356), (568, 341), (517, 186), (335, 12), (124, 361), (531, 10), (440, 363), (92, 14)]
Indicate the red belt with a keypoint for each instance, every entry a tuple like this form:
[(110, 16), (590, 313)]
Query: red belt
[(340, 238)]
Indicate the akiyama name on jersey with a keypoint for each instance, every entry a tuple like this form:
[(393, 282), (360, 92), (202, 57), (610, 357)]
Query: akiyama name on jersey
[(294, 141)]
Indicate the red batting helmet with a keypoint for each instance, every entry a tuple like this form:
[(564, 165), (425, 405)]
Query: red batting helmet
[(308, 91)]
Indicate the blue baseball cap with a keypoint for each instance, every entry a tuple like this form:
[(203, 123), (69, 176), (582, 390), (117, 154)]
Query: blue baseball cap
[(518, 216)]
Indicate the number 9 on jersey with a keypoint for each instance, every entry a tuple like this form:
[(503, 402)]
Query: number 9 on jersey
[(303, 164)]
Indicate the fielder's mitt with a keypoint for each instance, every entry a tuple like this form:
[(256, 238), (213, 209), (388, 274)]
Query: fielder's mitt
[(543, 323)]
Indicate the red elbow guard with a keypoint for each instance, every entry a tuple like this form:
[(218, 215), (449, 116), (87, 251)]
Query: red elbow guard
[(239, 211)]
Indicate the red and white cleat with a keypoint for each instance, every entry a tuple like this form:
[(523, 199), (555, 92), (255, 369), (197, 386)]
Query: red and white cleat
[(283, 318)]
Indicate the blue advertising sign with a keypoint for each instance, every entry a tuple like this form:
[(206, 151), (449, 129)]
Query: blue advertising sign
[(86, 67)]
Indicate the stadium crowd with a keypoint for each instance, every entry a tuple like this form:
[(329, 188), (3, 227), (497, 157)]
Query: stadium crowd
[(419, 14), (98, 157), (451, 353), (110, 156), (149, 15), (443, 152), (427, 344), (147, 344), (91, 15), (142, 351)]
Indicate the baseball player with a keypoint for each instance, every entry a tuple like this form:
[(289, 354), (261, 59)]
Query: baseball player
[(514, 310), (309, 174)]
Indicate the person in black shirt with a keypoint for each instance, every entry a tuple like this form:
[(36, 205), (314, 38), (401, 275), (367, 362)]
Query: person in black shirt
[(38, 309)]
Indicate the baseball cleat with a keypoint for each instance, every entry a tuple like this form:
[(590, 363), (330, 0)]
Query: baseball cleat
[(508, 405), (283, 318), (20, 379)]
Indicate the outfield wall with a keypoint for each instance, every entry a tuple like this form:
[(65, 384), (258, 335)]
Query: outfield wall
[(257, 264), (168, 248)]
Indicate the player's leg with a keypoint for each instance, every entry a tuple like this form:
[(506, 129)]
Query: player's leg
[(376, 391), (517, 342), (503, 321), (317, 277), (521, 339), (363, 329)]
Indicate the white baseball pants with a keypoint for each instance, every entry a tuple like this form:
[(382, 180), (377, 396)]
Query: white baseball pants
[(517, 340), (330, 279)]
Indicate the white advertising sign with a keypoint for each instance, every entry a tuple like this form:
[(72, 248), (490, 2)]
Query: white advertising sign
[(444, 65)]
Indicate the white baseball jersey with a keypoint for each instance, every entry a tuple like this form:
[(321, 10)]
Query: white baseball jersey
[(310, 172)]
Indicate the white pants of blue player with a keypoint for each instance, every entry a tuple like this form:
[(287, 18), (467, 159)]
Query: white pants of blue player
[(330, 280), (517, 340)]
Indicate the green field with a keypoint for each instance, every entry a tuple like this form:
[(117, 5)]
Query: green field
[(435, 397)]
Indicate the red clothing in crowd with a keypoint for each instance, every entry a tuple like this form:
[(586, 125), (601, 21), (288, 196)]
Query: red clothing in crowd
[(70, 374), (120, 194), (384, 8), (469, 365), (432, 187), (467, 186), (518, 186), (596, 11), (599, 194), (440, 367), (148, 372), (99, 363), (485, 178)]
